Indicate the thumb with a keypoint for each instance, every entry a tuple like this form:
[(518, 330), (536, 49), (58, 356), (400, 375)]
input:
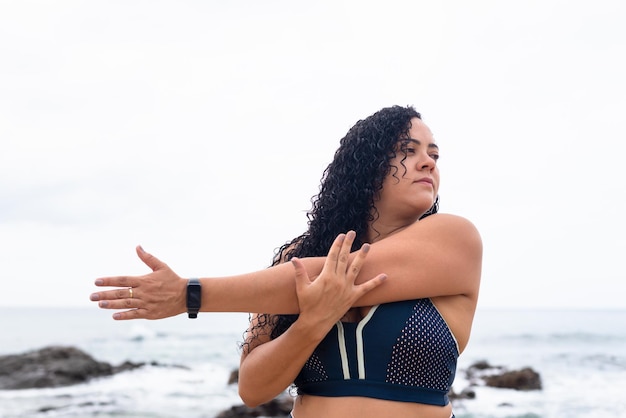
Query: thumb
[(150, 260)]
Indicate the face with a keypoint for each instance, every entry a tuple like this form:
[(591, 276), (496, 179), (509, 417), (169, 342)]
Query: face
[(410, 188)]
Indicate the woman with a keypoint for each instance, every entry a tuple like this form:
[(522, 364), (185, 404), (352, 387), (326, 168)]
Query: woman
[(360, 344)]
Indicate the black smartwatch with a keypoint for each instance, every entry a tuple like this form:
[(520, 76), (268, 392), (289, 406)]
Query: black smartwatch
[(194, 297)]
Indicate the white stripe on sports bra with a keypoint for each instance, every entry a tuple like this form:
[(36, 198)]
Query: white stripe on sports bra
[(343, 351), (360, 356)]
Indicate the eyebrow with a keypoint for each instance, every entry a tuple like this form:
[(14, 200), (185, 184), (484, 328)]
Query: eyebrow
[(418, 142)]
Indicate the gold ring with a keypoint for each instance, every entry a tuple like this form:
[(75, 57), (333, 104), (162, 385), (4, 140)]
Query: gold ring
[(130, 290)]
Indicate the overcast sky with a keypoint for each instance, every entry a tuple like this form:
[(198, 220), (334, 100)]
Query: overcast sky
[(200, 129)]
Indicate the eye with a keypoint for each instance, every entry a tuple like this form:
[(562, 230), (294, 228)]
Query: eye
[(434, 156), (406, 148)]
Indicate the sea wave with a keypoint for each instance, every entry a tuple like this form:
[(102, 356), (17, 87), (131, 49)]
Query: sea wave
[(566, 337)]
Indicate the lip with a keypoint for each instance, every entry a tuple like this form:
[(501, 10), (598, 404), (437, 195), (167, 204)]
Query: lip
[(425, 180)]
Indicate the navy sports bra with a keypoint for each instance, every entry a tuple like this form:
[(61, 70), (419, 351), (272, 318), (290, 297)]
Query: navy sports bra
[(400, 351)]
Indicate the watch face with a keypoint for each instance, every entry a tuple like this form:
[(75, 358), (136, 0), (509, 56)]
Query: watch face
[(193, 298), (194, 295)]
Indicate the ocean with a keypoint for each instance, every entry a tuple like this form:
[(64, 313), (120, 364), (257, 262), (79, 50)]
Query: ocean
[(580, 355)]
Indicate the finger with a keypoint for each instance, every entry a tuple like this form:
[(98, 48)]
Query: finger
[(370, 285), (120, 304), (333, 254), (357, 263), (344, 252), (130, 281), (122, 293), (150, 260), (131, 314), (302, 277), (118, 281)]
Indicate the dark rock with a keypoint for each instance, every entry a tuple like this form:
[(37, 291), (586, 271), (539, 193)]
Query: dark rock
[(500, 377), (48, 409), (524, 379), (234, 377), (481, 368), (53, 367), (481, 365), (278, 407), (483, 373), (126, 366), (466, 393), (475, 373)]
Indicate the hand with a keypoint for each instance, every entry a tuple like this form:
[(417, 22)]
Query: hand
[(156, 295), (325, 300)]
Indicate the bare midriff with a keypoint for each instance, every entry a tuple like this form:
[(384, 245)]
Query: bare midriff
[(308, 406)]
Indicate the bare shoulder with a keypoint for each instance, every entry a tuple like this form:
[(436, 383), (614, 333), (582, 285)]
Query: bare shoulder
[(448, 226), (439, 256), (454, 246), (442, 234), (448, 219)]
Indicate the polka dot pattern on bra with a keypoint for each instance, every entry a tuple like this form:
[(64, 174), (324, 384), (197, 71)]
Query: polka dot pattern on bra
[(315, 368), (422, 356)]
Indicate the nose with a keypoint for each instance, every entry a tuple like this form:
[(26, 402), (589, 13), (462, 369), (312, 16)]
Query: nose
[(426, 162)]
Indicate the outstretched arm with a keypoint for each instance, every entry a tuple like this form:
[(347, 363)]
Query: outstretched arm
[(162, 293)]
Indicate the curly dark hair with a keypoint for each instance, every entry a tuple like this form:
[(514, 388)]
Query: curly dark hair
[(349, 187)]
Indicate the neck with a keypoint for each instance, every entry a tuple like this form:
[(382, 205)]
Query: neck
[(378, 230)]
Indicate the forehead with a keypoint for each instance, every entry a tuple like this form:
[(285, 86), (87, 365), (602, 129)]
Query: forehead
[(420, 133)]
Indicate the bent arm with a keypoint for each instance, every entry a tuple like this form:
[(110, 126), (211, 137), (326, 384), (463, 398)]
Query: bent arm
[(269, 368), (438, 256)]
